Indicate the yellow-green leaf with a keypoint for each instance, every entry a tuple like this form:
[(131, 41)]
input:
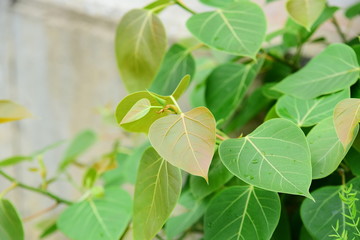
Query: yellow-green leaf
[(186, 140), (10, 111), (181, 88), (305, 12), (11, 227), (139, 110), (346, 118), (140, 46), (157, 189)]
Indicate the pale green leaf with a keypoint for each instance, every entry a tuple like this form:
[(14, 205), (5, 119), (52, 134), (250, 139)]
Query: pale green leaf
[(226, 86), (177, 63), (181, 88), (326, 149), (194, 210), (237, 29), (186, 140), (320, 215), (219, 3), (346, 118), (104, 218), (311, 111), (143, 124), (81, 143), (157, 190), (242, 212), (10, 111), (274, 157), (140, 45), (334, 69), (305, 12), (14, 160), (137, 111), (11, 227), (218, 176)]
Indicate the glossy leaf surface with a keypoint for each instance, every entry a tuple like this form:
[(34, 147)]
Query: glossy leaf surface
[(157, 190), (140, 45), (105, 218), (326, 149), (309, 112), (242, 212), (186, 140), (334, 69), (237, 29), (274, 157), (177, 63), (346, 119)]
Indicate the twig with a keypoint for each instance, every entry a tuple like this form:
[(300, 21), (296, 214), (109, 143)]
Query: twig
[(220, 137), (40, 191), (38, 214), (183, 6), (338, 29)]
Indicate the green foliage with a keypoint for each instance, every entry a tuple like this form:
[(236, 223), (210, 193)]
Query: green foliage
[(267, 119)]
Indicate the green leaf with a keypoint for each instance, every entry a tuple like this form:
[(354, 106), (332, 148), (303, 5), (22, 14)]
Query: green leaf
[(138, 111), (305, 12), (282, 231), (346, 119), (250, 107), (10, 111), (242, 212), (274, 157), (320, 215), (140, 45), (309, 112), (353, 11), (326, 150), (97, 219), (304, 234), (352, 161), (194, 210), (11, 227), (334, 69), (14, 160), (157, 190), (143, 124), (187, 140), (218, 176), (271, 114), (81, 143), (237, 29), (177, 63), (158, 5), (226, 86), (181, 88)]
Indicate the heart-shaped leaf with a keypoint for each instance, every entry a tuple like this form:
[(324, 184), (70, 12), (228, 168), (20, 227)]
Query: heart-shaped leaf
[(143, 124), (326, 149), (177, 63), (309, 112), (98, 219), (227, 85), (11, 227), (274, 157), (186, 140), (346, 118), (242, 212), (334, 69), (140, 45), (157, 190), (305, 12), (237, 29), (139, 110), (10, 111)]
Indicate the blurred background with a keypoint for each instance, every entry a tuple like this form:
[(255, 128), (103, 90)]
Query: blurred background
[(57, 59)]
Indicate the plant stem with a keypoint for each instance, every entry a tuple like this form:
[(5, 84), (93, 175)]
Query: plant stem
[(338, 29), (40, 191), (280, 60), (220, 137), (11, 187), (342, 175), (38, 214), (183, 6)]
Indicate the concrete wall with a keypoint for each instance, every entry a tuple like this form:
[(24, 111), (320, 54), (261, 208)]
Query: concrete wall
[(57, 59)]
